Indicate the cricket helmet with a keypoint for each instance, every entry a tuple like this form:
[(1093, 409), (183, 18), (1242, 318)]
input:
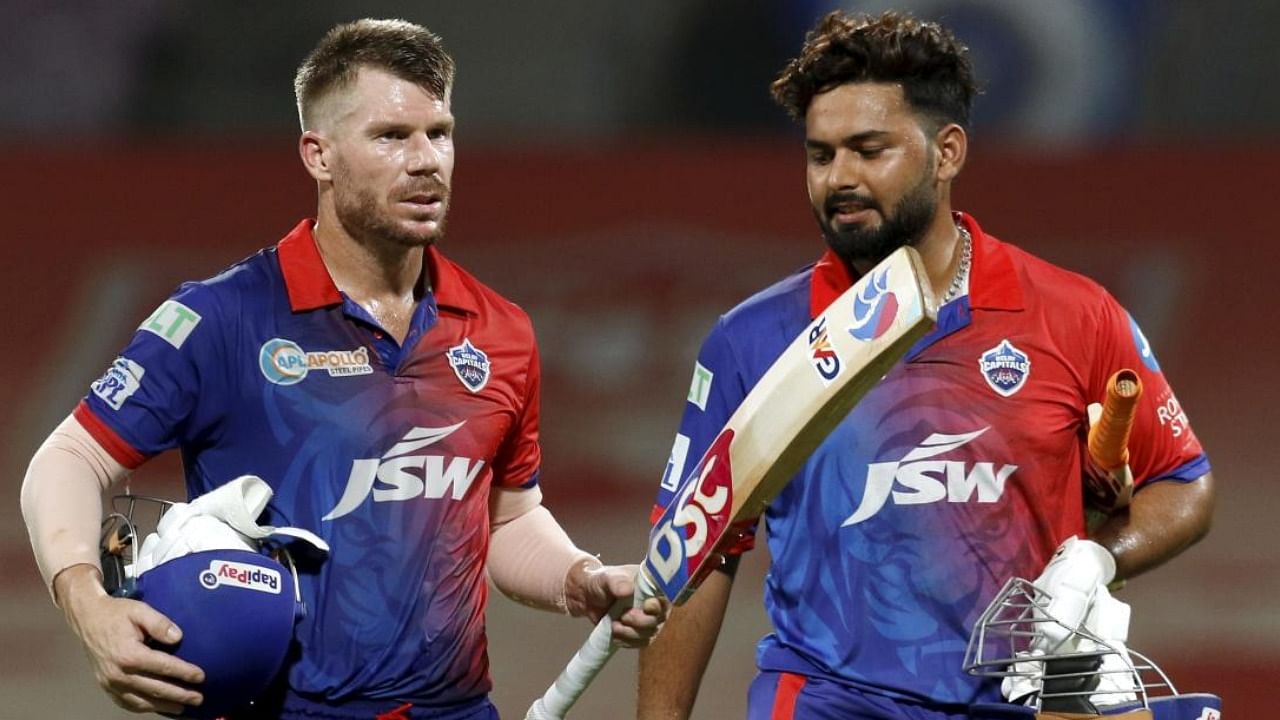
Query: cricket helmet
[(1090, 677), (236, 607)]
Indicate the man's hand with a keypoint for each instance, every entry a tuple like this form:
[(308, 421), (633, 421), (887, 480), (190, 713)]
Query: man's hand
[(593, 590), (114, 632)]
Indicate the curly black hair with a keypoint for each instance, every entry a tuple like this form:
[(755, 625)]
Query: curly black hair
[(932, 66)]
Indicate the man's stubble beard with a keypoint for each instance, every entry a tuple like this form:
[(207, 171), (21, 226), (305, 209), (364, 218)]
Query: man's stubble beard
[(358, 213), (906, 226)]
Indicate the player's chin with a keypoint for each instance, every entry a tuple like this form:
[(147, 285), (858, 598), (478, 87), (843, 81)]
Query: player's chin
[(419, 233)]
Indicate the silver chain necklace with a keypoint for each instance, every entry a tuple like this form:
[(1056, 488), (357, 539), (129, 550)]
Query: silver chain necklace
[(962, 272)]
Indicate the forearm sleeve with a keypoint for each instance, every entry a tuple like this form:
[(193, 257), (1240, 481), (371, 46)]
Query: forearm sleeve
[(530, 555), (62, 498)]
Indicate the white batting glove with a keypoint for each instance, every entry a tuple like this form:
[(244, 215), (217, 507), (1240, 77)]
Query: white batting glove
[(1076, 572), (1108, 619)]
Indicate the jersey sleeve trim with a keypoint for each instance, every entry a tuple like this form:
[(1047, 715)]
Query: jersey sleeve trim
[(1185, 473), (121, 451)]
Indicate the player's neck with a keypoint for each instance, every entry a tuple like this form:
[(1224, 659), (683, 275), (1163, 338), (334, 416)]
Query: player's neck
[(380, 272), (380, 278), (940, 249)]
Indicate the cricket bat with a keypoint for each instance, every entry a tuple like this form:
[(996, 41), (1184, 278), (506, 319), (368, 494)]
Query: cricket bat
[(798, 401), (1109, 483)]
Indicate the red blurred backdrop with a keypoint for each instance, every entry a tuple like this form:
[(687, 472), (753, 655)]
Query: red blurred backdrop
[(624, 256)]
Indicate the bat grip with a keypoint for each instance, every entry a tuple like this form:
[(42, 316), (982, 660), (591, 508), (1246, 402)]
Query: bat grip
[(1109, 438), (590, 659)]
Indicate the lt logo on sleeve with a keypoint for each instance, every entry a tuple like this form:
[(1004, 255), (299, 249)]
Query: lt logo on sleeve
[(172, 321)]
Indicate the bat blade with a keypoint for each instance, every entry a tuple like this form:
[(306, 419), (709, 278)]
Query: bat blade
[(1109, 483), (794, 406)]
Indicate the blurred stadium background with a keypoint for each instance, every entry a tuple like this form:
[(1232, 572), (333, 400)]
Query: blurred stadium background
[(623, 175)]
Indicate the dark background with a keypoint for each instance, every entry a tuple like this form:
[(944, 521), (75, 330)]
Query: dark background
[(622, 175)]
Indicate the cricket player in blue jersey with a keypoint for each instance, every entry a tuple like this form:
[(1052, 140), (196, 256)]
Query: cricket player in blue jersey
[(387, 397), (964, 466)]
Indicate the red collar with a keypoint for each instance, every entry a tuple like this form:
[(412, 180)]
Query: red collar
[(310, 285), (993, 284)]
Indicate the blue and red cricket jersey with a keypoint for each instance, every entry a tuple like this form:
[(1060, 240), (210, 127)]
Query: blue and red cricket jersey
[(961, 469), (386, 451)]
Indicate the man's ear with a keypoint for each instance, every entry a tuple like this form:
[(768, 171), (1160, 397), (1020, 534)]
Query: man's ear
[(316, 153), (953, 146)]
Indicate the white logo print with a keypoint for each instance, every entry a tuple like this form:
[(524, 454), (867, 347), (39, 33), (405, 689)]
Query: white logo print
[(121, 380), (921, 480), (408, 476)]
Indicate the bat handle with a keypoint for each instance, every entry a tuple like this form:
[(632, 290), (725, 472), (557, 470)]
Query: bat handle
[(1109, 438), (590, 659)]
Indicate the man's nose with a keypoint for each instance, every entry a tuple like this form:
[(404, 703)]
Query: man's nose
[(845, 171), (422, 156)]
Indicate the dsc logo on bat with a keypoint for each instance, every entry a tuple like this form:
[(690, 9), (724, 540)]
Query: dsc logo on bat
[(688, 529)]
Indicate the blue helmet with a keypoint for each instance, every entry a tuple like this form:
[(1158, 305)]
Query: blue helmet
[(236, 610), (236, 607)]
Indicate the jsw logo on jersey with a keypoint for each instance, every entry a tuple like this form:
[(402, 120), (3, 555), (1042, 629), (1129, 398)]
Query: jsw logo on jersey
[(678, 543), (916, 479), (408, 476)]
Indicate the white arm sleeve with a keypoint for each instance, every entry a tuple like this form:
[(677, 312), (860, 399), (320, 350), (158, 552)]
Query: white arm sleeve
[(530, 556), (62, 498)]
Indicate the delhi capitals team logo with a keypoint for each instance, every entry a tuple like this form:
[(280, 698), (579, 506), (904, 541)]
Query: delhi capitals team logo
[(1005, 367), (470, 364), (874, 308)]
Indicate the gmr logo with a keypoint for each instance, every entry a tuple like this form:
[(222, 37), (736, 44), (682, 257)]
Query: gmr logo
[(678, 541), (823, 355), (408, 476), (923, 481)]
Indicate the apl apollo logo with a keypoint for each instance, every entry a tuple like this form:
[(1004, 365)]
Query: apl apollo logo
[(874, 308), (284, 362), (1005, 368), (241, 575)]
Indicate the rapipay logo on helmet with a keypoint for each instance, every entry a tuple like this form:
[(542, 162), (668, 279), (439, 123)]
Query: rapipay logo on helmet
[(241, 575)]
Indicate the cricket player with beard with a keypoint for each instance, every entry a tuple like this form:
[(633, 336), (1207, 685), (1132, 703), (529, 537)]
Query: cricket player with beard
[(389, 399), (964, 466)]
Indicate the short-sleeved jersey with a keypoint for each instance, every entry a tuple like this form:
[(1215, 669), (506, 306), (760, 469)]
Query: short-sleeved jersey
[(387, 451), (962, 468)]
